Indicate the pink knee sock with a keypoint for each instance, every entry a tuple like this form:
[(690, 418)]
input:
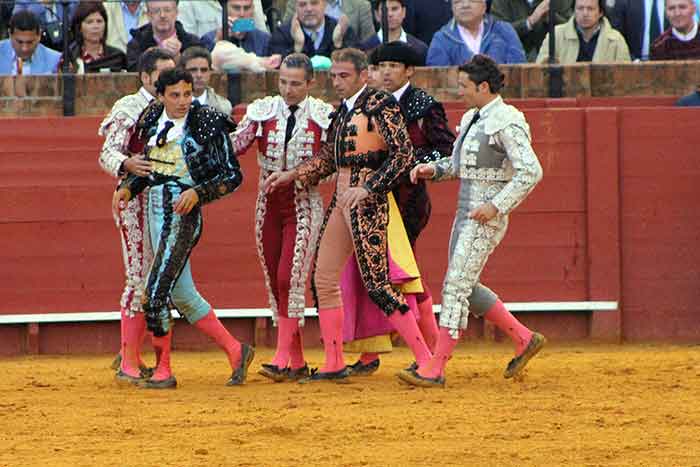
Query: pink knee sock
[(331, 322), (132, 329), (506, 322), (368, 357), (405, 324), (162, 347), (212, 327), (122, 331), (296, 354), (443, 352), (286, 327), (427, 323)]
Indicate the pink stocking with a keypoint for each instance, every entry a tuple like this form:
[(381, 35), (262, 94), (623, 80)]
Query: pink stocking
[(331, 322), (405, 324), (212, 327), (506, 322), (443, 352)]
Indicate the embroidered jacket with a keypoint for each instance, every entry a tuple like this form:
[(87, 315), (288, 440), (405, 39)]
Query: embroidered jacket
[(206, 148), (432, 140), (371, 135), (266, 122), (495, 149), (117, 128)]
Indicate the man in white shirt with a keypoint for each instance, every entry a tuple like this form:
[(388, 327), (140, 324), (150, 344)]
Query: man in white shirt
[(197, 60)]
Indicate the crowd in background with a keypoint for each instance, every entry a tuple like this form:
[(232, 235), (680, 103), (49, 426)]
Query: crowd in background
[(112, 35)]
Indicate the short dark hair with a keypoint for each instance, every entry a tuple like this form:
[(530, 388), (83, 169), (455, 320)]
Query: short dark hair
[(84, 10), (195, 52), (170, 77), (378, 3), (299, 60), (482, 68), (355, 56), (177, 2), (148, 60), (601, 6), (24, 20)]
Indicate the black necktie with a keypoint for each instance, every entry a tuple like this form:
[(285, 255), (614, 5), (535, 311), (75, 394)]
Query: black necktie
[(473, 121), (291, 121), (163, 135), (654, 29)]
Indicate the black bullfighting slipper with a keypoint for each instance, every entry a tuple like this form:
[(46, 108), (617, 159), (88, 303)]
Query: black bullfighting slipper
[(363, 369), (413, 366), (273, 372), (117, 362), (340, 376), (412, 377), (124, 379), (168, 383), (239, 376), (146, 372), (516, 365), (299, 373)]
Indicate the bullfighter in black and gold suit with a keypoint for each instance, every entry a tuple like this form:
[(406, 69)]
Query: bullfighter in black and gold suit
[(369, 148)]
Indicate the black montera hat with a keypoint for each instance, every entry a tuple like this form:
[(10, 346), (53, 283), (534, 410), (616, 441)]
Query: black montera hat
[(397, 52)]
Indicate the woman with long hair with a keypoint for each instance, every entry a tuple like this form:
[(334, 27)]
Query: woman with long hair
[(89, 52)]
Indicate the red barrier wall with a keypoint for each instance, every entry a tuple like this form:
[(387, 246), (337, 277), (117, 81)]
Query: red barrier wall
[(614, 219)]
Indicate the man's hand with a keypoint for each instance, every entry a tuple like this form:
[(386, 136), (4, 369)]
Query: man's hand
[(272, 62), (540, 11), (297, 34), (172, 45), (353, 196), (483, 213), (339, 32), (422, 171), (187, 200), (278, 179), (138, 165), (119, 200)]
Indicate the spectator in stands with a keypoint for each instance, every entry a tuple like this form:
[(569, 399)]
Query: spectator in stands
[(256, 41), (640, 22), (681, 41), (472, 32), (530, 19), (425, 17), (124, 17), (197, 61), (396, 12), (51, 14), (89, 52), (5, 15), (587, 37), (244, 50), (359, 13), (163, 31), (312, 32), (691, 100), (201, 16), (22, 54)]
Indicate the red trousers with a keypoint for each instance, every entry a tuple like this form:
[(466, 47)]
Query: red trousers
[(278, 239)]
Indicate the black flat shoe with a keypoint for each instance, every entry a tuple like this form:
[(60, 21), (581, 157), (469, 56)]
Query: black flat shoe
[(299, 373), (414, 379), (273, 372), (117, 362), (169, 383), (239, 376), (516, 365), (340, 376), (124, 379), (361, 369)]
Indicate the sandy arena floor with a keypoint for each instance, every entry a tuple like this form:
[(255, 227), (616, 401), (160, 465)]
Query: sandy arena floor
[(592, 405)]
